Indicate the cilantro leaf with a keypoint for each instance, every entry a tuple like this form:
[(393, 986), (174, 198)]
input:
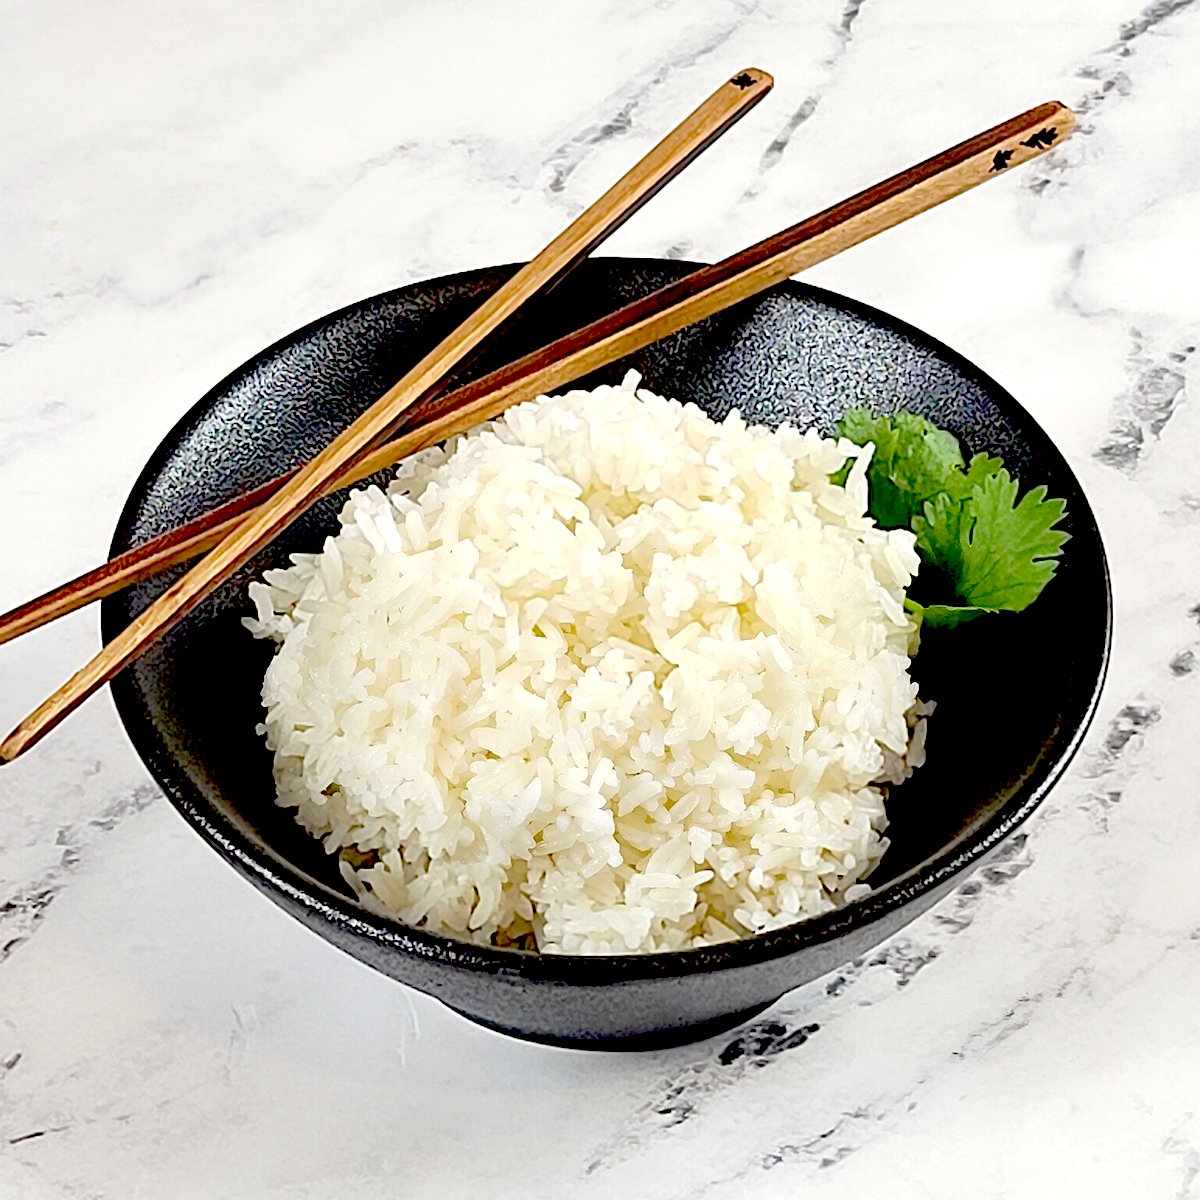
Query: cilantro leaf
[(999, 551), (994, 551), (979, 468), (913, 461)]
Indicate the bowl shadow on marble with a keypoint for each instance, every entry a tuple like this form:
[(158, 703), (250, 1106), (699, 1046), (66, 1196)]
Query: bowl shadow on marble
[(1014, 694)]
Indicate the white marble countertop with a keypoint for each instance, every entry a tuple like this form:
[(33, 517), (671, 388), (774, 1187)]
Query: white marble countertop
[(182, 185)]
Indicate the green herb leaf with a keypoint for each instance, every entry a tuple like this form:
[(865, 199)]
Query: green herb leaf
[(999, 551), (914, 460), (980, 468)]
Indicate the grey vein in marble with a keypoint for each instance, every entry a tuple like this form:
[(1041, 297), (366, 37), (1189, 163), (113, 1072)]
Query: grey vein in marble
[(1157, 387), (1179, 1145), (778, 146), (563, 161), (23, 910)]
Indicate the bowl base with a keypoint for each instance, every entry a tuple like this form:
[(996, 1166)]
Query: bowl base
[(656, 1039)]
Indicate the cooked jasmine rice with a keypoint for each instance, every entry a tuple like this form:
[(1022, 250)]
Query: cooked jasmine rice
[(602, 676)]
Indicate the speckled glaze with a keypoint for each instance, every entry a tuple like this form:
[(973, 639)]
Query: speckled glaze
[(1014, 694)]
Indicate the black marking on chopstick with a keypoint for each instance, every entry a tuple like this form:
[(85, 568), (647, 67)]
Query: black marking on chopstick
[(1042, 140)]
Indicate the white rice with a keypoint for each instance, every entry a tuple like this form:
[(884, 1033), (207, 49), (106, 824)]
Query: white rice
[(602, 676)]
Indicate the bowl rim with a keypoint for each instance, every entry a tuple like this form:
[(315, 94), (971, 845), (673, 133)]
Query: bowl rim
[(274, 874)]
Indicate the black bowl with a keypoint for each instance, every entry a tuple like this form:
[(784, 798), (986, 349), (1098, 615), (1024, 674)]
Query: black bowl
[(1014, 693)]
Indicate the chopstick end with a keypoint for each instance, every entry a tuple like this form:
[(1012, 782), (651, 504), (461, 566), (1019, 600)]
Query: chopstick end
[(17, 742), (753, 77), (1067, 117)]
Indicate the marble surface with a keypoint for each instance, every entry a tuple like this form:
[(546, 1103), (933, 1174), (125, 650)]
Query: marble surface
[(181, 186)]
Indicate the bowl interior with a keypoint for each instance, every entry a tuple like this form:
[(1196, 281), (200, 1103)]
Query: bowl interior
[(1012, 693)]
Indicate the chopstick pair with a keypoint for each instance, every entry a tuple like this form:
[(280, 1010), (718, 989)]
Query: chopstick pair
[(693, 298)]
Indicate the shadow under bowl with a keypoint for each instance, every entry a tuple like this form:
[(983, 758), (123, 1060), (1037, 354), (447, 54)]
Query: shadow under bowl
[(1014, 694)]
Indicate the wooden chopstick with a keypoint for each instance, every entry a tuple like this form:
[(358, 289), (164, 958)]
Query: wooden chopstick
[(699, 129), (694, 298)]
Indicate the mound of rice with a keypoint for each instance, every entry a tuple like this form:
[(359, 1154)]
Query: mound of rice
[(602, 676)]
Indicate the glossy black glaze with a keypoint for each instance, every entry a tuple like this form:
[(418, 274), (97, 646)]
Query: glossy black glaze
[(1014, 693)]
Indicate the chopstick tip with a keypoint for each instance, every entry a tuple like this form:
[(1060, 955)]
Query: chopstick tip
[(13, 745), (753, 77)]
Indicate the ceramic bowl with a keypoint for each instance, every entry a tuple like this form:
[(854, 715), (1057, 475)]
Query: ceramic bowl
[(1014, 694)]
